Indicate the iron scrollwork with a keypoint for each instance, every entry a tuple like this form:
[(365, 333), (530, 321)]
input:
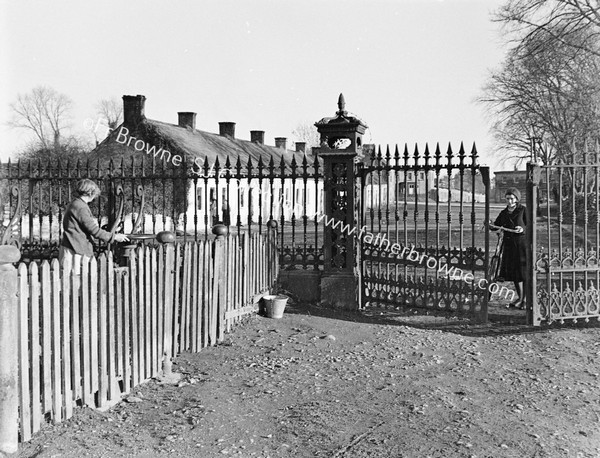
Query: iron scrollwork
[(339, 211), (119, 218), (8, 235), (139, 222)]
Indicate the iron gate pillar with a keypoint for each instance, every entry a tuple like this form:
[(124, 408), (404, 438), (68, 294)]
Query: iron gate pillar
[(341, 142), (530, 285)]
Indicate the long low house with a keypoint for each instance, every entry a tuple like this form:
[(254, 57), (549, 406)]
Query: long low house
[(211, 194)]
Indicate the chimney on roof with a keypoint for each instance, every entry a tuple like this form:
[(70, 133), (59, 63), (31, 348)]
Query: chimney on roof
[(301, 147), (227, 129), (281, 142), (187, 119), (133, 109), (257, 136)]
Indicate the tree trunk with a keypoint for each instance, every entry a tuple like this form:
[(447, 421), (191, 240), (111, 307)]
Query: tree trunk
[(56, 141)]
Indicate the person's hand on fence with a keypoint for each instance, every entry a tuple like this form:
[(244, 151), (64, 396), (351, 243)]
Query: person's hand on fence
[(519, 229), (121, 238)]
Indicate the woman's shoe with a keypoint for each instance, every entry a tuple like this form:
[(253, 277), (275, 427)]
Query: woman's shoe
[(521, 305), (512, 305)]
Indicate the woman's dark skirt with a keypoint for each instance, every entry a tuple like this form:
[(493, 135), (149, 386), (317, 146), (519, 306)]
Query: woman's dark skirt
[(514, 259)]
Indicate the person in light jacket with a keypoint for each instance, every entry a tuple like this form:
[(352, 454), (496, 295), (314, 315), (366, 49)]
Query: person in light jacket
[(79, 225)]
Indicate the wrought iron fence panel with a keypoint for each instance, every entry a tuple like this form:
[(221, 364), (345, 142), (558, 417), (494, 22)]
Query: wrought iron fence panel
[(145, 197), (564, 273), (421, 218)]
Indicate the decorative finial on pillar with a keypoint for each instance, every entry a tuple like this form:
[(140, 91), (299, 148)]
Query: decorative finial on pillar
[(341, 105)]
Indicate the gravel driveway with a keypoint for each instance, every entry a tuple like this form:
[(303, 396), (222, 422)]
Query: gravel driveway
[(320, 383)]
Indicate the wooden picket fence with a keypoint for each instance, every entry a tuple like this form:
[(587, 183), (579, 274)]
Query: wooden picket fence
[(90, 331)]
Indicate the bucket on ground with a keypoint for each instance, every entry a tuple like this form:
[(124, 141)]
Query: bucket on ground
[(275, 305)]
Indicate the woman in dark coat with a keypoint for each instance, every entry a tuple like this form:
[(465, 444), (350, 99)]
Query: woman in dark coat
[(514, 253)]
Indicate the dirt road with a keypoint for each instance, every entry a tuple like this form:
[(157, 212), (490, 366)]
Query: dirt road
[(382, 384)]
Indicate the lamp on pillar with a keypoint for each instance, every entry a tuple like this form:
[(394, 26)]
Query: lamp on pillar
[(341, 142)]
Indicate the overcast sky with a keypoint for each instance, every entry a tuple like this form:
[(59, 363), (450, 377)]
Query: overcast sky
[(410, 69)]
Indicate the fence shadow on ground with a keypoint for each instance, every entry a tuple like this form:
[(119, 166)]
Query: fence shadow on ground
[(499, 323)]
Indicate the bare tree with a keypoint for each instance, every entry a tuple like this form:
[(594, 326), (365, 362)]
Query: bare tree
[(110, 115), (111, 111), (560, 19), (45, 112), (548, 90), (306, 132), (72, 148)]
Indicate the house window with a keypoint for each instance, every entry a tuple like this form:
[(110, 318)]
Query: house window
[(409, 176), (422, 175), (300, 203), (516, 179), (200, 198), (503, 180), (411, 189)]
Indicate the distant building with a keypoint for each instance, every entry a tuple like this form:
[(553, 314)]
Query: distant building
[(510, 179), (176, 145), (516, 179), (398, 187), (395, 185)]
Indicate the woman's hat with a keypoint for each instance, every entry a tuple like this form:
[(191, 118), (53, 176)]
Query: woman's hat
[(515, 192)]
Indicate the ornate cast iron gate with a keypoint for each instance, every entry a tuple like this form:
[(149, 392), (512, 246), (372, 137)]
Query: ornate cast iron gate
[(563, 269), (420, 236)]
